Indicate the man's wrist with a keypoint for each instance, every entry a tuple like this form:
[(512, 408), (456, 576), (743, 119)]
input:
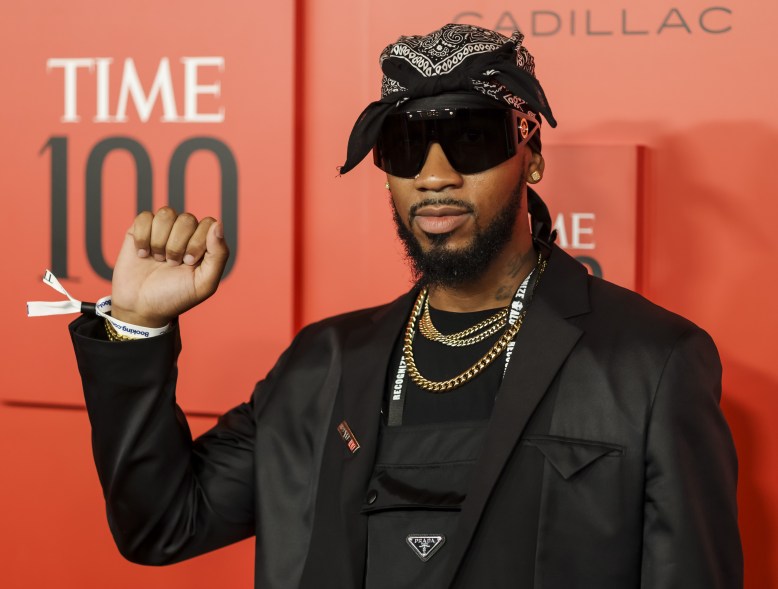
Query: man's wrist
[(123, 325), (138, 320)]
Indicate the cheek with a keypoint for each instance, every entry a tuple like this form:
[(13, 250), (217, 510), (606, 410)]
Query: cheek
[(396, 199), (400, 193), (491, 191), (400, 208)]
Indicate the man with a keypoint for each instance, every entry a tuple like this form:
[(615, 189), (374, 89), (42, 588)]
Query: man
[(510, 422)]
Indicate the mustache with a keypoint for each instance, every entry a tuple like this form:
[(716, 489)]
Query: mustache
[(440, 202)]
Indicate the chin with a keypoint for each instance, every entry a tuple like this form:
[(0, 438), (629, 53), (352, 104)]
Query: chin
[(445, 241)]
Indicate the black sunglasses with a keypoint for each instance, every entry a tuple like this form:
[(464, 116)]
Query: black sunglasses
[(473, 139)]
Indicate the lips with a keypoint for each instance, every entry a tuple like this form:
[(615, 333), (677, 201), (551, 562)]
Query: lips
[(440, 219)]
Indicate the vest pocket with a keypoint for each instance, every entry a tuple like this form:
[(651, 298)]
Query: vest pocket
[(413, 500), (412, 513), (408, 548)]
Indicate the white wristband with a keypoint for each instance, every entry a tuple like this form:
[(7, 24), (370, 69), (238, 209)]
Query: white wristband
[(101, 309)]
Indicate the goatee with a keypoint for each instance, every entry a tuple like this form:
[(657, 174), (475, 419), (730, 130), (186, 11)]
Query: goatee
[(441, 266)]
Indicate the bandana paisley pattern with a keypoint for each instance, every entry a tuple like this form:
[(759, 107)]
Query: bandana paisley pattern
[(439, 53)]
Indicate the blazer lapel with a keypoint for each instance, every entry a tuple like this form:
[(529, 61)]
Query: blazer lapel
[(542, 345)]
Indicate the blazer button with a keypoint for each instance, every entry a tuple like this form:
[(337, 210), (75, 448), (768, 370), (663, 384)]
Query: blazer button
[(372, 495)]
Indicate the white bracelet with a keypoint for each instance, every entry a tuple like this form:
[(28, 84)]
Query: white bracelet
[(101, 309)]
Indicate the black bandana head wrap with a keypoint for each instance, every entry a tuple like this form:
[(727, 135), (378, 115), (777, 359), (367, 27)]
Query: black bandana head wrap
[(454, 59)]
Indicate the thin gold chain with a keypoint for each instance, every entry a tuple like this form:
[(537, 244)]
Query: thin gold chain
[(460, 339), (452, 383)]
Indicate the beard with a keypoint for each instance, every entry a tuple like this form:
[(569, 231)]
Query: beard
[(440, 266)]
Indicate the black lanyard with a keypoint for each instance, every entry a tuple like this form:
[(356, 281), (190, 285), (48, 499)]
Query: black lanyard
[(517, 309)]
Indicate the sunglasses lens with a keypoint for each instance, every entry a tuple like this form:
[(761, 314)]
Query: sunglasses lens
[(478, 139), (473, 140), (402, 146)]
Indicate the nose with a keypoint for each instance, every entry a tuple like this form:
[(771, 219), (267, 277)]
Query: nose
[(437, 173)]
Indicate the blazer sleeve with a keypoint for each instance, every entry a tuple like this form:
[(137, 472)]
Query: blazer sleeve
[(690, 534), (168, 497)]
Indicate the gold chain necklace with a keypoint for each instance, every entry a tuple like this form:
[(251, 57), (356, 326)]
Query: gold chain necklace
[(460, 339), (468, 375)]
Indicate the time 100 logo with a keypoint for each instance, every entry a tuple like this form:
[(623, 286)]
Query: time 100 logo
[(57, 146)]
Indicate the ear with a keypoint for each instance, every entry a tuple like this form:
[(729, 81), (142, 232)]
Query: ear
[(535, 168)]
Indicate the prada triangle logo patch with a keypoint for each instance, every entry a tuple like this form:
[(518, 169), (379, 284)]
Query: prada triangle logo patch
[(425, 545)]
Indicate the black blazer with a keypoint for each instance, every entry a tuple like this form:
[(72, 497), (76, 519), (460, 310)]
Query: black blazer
[(616, 397)]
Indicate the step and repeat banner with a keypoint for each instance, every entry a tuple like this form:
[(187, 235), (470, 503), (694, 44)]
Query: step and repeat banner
[(242, 111)]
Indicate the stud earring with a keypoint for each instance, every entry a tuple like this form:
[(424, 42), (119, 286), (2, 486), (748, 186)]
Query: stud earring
[(386, 185), (416, 177), (534, 178)]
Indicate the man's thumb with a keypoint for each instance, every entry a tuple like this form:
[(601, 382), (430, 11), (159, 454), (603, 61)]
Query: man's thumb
[(215, 259)]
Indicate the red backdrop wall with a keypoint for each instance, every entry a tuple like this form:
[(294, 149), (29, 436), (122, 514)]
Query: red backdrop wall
[(662, 158)]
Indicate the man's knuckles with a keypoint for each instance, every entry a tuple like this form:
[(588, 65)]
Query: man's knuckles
[(166, 213), (187, 220)]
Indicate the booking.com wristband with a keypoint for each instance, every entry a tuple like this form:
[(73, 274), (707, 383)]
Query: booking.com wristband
[(101, 308)]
